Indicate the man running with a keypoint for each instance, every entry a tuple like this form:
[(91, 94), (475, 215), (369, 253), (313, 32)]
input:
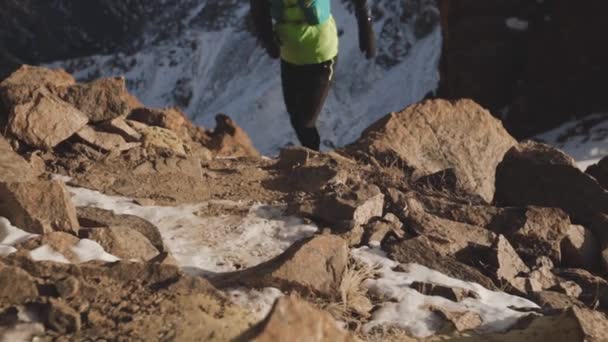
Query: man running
[(304, 35)]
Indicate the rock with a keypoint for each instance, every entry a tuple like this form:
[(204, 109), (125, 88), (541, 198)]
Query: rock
[(569, 288), (359, 204), (16, 286), (594, 288), (508, 268), (315, 265), (161, 138), (105, 141), (123, 242), (62, 318), (580, 249), (462, 321), (45, 121), (169, 118), (449, 238), (554, 300), (376, 232), (95, 218), (68, 287), (436, 135), (599, 227), (39, 206), (164, 258), (292, 319), (13, 168), (541, 277), (100, 100), (121, 127), (532, 231), (599, 171), (230, 140), (593, 324), (454, 294), (537, 174), (421, 251), (59, 241), (28, 75)]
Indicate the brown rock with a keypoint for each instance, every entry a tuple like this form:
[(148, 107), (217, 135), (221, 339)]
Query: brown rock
[(594, 324), (294, 320), (105, 141), (59, 241), (45, 121), (594, 288), (359, 204), (569, 288), (555, 300), (532, 231), (96, 218), (541, 276), (169, 118), (13, 168), (462, 321), (376, 232), (580, 249), (62, 318), (315, 265), (508, 267), (68, 287), (599, 171), (449, 237), (121, 127), (432, 136), (16, 285), (454, 294), (100, 100), (28, 75), (230, 140), (421, 251), (537, 174), (124, 242), (161, 138), (39, 206)]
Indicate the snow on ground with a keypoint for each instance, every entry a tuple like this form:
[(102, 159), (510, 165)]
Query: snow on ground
[(408, 309), (46, 253), (585, 140), (220, 242)]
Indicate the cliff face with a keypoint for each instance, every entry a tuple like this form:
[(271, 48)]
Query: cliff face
[(536, 63)]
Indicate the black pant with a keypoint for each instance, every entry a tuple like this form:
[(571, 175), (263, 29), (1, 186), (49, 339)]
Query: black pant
[(305, 89)]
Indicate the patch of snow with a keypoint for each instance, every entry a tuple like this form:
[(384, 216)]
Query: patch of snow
[(11, 235), (408, 309), (88, 250), (46, 253), (258, 302), (208, 244), (586, 140), (517, 24)]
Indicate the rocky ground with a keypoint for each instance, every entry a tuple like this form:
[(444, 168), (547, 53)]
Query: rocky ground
[(120, 222)]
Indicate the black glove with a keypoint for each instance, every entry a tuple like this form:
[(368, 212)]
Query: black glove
[(367, 38)]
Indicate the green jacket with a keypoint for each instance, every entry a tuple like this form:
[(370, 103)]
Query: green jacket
[(307, 44)]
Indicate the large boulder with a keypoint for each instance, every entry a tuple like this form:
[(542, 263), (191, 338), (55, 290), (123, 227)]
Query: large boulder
[(39, 206), (104, 141), (537, 174), (311, 266), (45, 120), (432, 136), (292, 319), (100, 100)]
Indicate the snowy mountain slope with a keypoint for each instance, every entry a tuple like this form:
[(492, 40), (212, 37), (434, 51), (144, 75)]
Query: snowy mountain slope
[(585, 140), (213, 65)]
